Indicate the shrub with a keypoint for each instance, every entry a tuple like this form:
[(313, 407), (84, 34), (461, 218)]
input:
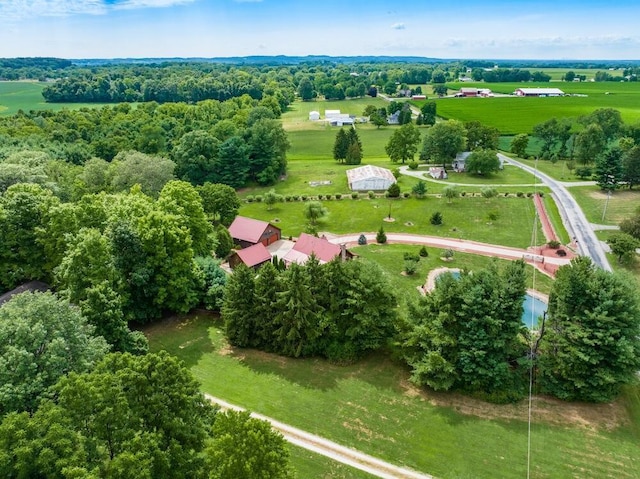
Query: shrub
[(328, 197), (410, 267), (354, 196), (258, 198), (436, 219), (393, 191), (413, 165), (423, 252), (541, 194), (371, 194), (447, 254), (287, 198), (320, 197), (492, 215), (529, 195), (250, 199), (296, 197), (338, 196), (396, 173), (381, 236), (553, 244), (583, 172), (519, 194), (463, 193), (506, 195), (304, 197), (362, 240), (561, 252), (406, 194), (411, 257), (489, 192)]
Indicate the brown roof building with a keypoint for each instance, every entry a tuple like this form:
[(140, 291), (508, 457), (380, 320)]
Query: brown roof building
[(254, 256), (320, 247)]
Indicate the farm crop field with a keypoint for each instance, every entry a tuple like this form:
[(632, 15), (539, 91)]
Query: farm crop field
[(27, 96), (513, 115)]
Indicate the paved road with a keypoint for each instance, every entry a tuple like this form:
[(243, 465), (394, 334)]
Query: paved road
[(320, 445), (572, 216)]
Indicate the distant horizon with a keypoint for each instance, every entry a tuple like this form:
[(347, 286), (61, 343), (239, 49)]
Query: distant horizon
[(477, 29)]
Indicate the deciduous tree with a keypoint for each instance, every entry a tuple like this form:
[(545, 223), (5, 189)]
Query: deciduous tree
[(403, 144)]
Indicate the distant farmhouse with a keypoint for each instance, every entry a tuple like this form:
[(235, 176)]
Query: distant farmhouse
[(370, 178), (459, 164), (335, 118), (248, 232), (540, 92)]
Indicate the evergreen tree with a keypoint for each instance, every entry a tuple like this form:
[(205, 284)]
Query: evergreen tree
[(341, 146), (239, 307), (609, 169), (591, 346)]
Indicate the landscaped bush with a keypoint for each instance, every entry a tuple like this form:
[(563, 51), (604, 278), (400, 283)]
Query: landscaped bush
[(320, 197), (362, 240), (371, 194), (423, 252), (338, 196), (447, 254), (519, 194), (304, 197), (354, 196), (258, 198), (328, 197), (250, 199), (561, 252), (506, 195), (583, 172), (553, 244), (406, 194), (393, 191), (381, 236), (436, 219), (296, 197), (489, 192), (411, 257), (410, 267), (463, 193), (413, 165), (529, 195), (287, 198)]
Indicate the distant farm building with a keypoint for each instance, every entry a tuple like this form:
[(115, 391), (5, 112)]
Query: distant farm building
[(335, 118), (540, 92), (254, 256), (438, 173), (466, 92), (247, 232), (321, 248), (419, 97), (370, 178), (314, 115), (459, 164)]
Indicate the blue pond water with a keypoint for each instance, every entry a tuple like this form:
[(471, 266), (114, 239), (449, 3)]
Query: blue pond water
[(533, 307)]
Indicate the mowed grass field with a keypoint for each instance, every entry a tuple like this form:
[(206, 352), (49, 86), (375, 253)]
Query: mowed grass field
[(513, 115), (372, 406), (27, 96)]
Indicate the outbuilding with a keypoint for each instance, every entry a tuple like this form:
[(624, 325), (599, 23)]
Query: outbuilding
[(314, 115), (253, 256), (539, 92), (248, 231), (370, 178)]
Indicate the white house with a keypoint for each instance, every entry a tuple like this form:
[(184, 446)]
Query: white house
[(370, 178), (314, 115)]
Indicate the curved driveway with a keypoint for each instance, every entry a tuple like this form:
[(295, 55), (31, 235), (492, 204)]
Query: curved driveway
[(572, 216)]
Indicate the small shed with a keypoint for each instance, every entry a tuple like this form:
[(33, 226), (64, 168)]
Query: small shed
[(248, 231), (253, 256), (314, 115), (438, 172), (370, 178)]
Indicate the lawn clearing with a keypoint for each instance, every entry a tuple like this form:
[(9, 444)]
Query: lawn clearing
[(593, 200), (27, 96), (309, 465), (372, 407), (464, 218), (297, 115)]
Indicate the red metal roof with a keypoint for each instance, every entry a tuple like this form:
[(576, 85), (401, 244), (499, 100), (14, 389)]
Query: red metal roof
[(322, 249), (248, 229), (254, 255)]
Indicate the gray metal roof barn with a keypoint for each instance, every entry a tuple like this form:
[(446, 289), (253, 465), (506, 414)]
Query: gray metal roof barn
[(370, 177)]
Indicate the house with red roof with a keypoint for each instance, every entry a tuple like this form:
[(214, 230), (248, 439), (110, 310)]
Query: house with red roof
[(254, 256), (248, 231), (320, 247)]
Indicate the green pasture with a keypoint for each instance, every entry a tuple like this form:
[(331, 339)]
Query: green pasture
[(372, 407), (297, 115), (557, 74), (592, 200), (309, 465), (319, 143), (27, 96), (464, 218)]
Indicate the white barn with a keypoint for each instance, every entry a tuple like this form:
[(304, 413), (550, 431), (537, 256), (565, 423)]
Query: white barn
[(539, 92), (370, 178)]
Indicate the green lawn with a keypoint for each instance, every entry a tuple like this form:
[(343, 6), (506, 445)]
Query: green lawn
[(592, 200), (27, 95), (309, 465), (297, 115), (372, 407), (464, 218)]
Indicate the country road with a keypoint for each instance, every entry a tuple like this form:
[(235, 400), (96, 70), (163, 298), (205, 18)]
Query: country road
[(351, 457), (572, 215)]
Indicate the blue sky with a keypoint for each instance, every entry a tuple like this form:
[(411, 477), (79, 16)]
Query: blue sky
[(562, 29)]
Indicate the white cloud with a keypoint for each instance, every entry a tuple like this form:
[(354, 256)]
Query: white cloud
[(20, 9), (398, 26)]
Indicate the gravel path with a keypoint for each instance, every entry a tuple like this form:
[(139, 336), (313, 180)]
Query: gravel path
[(351, 457)]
